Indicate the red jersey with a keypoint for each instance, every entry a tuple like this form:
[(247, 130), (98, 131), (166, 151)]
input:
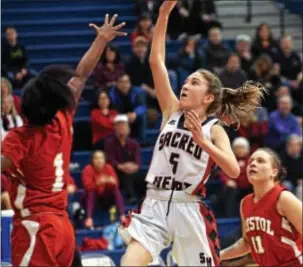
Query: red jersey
[(40, 157), (272, 238)]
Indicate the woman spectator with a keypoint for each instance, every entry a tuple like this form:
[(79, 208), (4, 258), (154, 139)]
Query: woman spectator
[(264, 43), (6, 90), (144, 28), (102, 120), (265, 72), (255, 129), (109, 69), (9, 117), (101, 187)]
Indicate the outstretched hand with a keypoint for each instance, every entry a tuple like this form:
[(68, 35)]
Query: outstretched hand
[(108, 30), (168, 5)]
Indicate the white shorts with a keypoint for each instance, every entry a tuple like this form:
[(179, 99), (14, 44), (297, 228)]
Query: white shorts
[(190, 225)]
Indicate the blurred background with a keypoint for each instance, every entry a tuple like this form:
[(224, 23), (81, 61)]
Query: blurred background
[(238, 40)]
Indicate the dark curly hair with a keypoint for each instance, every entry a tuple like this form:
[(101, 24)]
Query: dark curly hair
[(46, 94)]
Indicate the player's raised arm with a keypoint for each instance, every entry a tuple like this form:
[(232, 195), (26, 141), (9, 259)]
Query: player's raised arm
[(106, 33), (238, 249), (167, 100)]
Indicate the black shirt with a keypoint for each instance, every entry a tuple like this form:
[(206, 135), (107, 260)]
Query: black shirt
[(290, 65), (14, 58)]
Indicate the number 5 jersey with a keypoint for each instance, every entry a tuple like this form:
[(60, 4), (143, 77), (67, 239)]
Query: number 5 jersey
[(272, 238)]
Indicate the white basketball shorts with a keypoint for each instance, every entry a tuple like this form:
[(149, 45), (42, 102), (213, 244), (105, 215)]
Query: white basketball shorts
[(184, 221)]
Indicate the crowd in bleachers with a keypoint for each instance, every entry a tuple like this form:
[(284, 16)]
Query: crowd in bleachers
[(125, 104)]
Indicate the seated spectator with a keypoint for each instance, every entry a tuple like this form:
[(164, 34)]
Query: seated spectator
[(188, 58), (144, 28), (7, 90), (109, 69), (101, 187), (281, 124), (14, 58), (150, 7), (232, 75), (290, 61), (139, 71), (255, 129), (5, 200), (243, 43), (71, 190), (265, 72), (9, 117), (236, 189), (291, 157), (102, 120), (264, 43), (216, 52), (124, 155), (129, 100)]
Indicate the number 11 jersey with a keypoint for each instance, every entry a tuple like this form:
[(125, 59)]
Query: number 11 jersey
[(40, 157), (272, 238), (178, 163)]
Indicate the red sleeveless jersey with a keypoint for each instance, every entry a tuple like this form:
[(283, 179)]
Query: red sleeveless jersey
[(40, 157), (272, 238)]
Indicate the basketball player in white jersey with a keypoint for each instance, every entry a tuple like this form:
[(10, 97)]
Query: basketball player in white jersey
[(190, 144)]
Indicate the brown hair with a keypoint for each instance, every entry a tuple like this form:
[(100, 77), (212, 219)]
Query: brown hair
[(276, 162), (237, 103)]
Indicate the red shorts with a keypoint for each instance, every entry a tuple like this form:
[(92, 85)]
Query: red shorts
[(43, 239)]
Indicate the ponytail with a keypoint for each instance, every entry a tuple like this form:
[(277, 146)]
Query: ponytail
[(238, 104)]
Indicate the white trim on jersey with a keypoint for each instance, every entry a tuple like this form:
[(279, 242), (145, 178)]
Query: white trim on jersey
[(32, 228), (294, 246)]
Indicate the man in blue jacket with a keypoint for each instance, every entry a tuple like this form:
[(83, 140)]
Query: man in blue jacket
[(130, 100)]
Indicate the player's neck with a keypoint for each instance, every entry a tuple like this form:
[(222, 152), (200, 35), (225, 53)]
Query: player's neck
[(260, 190)]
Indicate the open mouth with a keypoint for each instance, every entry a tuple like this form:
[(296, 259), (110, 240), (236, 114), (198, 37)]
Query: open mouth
[(252, 172), (183, 95)]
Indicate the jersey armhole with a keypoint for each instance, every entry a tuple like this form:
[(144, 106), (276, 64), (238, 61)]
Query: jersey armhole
[(277, 203)]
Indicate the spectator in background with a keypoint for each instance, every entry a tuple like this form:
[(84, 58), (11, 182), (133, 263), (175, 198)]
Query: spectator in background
[(232, 75), (14, 58), (129, 100), (291, 158), (144, 28), (216, 52), (243, 43), (149, 7), (290, 62), (123, 153), (140, 74), (9, 117), (264, 43), (101, 187), (236, 189), (109, 69), (188, 59), (102, 120), (265, 72), (7, 90), (5, 200), (282, 123), (255, 129)]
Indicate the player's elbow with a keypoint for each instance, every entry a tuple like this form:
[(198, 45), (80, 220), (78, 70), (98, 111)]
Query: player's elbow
[(154, 60), (234, 171)]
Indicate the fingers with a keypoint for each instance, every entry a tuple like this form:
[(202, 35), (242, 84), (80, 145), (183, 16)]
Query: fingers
[(113, 19), (193, 120), (106, 19), (119, 26), (93, 26), (121, 33)]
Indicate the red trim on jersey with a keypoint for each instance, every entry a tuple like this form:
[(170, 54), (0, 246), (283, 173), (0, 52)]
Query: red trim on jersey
[(128, 218), (200, 186), (211, 232)]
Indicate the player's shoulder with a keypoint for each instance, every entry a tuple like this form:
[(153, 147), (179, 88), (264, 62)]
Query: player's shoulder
[(22, 133), (246, 200)]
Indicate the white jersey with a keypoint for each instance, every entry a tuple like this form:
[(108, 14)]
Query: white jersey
[(178, 163)]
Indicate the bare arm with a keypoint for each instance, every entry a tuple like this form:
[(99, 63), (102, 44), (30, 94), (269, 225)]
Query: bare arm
[(6, 163), (240, 248), (167, 100), (105, 34), (290, 207)]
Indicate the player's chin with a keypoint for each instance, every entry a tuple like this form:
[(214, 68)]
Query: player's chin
[(184, 104)]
